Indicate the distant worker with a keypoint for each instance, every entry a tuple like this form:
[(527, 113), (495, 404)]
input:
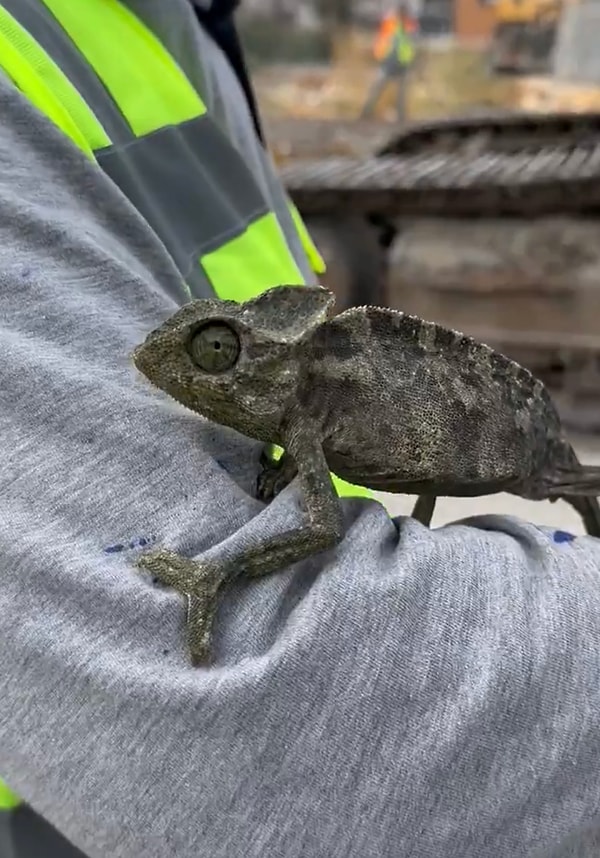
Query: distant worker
[(395, 51)]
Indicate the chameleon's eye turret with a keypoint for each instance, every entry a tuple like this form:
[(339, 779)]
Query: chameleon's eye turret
[(215, 347)]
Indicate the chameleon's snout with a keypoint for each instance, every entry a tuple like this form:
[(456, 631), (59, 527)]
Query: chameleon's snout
[(137, 358), (141, 357), (135, 355)]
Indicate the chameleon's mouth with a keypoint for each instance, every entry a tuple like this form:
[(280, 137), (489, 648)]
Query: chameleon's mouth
[(137, 356), (141, 358), (146, 367)]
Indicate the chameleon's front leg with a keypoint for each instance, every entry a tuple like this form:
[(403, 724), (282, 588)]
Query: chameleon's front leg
[(324, 527), (199, 581)]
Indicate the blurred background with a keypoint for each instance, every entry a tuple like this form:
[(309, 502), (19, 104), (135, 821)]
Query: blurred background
[(463, 187), (313, 58)]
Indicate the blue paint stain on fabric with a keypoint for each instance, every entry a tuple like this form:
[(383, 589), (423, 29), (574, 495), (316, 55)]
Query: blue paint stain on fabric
[(562, 536), (137, 542), (114, 549)]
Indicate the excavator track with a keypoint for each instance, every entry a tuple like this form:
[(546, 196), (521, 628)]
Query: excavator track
[(498, 131), (507, 132), (526, 168), (550, 180)]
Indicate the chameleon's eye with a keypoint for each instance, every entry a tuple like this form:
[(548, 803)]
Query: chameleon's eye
[(215, 348)]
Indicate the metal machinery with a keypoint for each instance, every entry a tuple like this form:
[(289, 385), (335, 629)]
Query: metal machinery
[(524, 35)]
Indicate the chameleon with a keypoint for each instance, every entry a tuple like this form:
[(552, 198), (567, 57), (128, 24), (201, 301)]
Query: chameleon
[(381, 398)]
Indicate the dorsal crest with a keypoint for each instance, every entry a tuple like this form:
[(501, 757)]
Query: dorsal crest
[(430, 338)]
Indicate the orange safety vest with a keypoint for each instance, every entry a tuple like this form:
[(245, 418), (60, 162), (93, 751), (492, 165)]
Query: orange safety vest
[(387, 29)]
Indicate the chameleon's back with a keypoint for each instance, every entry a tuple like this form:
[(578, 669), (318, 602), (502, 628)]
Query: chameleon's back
[(406, 403)]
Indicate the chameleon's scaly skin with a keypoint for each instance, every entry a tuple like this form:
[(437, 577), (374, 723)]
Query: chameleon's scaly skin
[(382, 399)]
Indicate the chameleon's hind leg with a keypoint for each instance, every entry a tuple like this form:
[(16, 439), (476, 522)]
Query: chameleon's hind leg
[(588, 509), (199, 582), (423, 509)]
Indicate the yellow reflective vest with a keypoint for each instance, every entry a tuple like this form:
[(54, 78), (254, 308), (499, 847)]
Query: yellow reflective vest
[(132, 111)]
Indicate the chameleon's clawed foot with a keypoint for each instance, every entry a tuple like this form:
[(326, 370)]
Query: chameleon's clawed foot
[(199, 583), (275, 476)]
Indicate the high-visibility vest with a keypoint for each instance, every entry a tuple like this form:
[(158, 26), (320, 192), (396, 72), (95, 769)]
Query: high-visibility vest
[(387, 28), (135, 114), (394, 35)]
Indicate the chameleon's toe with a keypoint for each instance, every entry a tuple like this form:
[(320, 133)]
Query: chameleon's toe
[(274, 478), (267, 484), (201, 610), (199, 583), (170, 569), (267, 460)]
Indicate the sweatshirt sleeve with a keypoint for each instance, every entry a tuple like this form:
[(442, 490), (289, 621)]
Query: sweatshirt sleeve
[(413, 692)]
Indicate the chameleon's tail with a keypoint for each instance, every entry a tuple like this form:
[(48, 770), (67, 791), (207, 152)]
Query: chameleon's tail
[(578, 485), (580, 480)]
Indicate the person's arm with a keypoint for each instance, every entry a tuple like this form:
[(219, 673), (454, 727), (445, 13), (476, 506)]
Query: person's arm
[(413, 692)]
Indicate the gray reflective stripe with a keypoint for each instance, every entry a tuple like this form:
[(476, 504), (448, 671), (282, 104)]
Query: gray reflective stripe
[(40, 23), (24, 834), (7, 846), (282, 207), (199, 286), (191, 185)]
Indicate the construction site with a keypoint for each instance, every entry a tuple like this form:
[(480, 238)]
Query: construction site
[(481, 210)]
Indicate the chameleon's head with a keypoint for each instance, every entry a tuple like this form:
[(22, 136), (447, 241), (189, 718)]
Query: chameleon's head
[(236, 364)]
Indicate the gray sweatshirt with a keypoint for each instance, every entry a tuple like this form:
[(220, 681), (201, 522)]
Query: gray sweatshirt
[(416, 692)]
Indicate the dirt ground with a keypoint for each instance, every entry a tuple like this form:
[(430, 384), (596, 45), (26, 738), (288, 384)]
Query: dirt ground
[(558, 515), (449, 79)]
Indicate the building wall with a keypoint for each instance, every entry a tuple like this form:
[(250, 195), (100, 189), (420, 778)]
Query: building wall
[(436, 16), (577, 52), (473, 20)]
